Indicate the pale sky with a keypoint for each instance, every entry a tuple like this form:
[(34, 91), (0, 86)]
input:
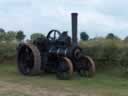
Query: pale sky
[(96, 17)]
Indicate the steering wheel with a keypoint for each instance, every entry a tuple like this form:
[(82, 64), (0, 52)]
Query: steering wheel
[(52, 35)]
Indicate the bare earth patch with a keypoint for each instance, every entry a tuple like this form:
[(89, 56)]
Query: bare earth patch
[(12, 89)]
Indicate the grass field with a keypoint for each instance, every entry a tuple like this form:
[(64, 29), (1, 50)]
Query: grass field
[(103, 84)]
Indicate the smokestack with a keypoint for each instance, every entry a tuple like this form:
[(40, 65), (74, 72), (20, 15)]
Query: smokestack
[(74, 28)]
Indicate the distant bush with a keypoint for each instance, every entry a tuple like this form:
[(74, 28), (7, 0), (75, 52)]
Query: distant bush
[(107, 53), (35, 36), (7, 51), (112, 36)]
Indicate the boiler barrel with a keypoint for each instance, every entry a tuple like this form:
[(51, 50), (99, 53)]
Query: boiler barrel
[(59, 51), (65, 52)]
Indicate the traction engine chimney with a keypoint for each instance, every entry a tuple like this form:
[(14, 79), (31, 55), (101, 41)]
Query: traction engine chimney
[(74, 28)]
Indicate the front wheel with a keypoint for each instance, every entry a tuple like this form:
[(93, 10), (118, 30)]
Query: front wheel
[(64, 69), (86, 66)]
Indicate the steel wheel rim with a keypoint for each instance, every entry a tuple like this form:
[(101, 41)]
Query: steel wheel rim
[(28, 59), (67, 73), (87, 66)]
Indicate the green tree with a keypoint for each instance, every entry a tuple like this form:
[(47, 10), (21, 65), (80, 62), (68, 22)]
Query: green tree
[(2, 36), (2, 30), (84, 36), (112, 36), (20, 36), (126, 39), (10, 36), (35, 36)]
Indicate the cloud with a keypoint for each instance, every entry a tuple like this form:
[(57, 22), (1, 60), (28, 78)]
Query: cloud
[(97, 17)]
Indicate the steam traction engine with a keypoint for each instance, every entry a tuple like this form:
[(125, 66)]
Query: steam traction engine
[(55, 53)]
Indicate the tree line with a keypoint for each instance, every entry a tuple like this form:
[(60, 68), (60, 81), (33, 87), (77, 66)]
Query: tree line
[(20, 36), (84, 37), (11, 35)]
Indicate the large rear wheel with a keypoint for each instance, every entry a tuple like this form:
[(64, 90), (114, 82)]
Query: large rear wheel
[(28, 59), (64, 69)]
